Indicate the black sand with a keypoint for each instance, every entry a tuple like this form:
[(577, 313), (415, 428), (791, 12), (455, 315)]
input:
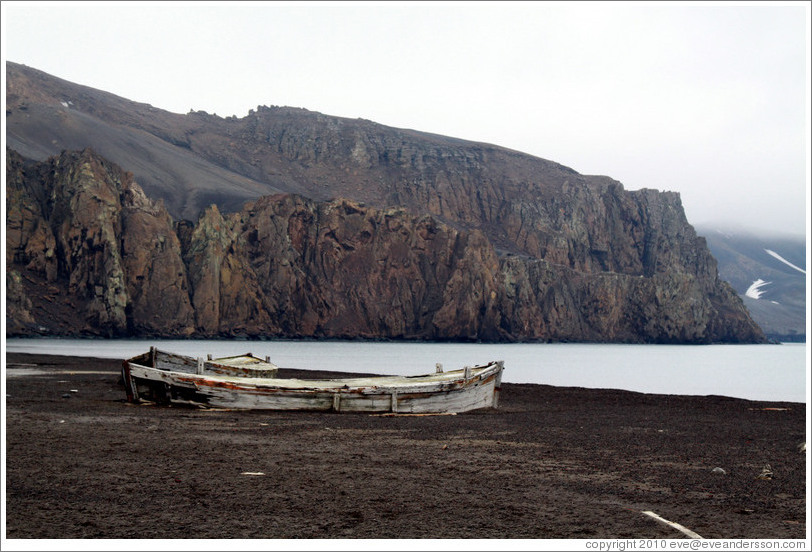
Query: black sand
[(551, 462)]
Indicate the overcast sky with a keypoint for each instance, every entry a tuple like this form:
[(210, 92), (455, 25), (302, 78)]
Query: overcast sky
[(709, 100)]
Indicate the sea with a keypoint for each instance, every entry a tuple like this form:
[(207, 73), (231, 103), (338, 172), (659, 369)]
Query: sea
[(777, 372)]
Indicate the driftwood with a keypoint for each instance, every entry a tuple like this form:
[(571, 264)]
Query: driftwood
[(676, 526)]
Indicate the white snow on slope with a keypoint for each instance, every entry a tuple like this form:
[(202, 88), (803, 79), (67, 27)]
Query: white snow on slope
[(754, 290), (783, 260)]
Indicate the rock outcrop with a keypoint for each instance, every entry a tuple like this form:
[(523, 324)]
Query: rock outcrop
[(292, 223), (225, 293), (340, 269), (629, 269), (82, 223)]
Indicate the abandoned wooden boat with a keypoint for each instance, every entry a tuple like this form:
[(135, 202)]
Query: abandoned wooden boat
[(247, 382)]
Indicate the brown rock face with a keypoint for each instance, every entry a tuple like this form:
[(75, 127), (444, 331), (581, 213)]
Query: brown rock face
[(29, 241), (287, 266), (156, 281), (484, 242), (19, 319), (86, 223), (226, 296), (83, 223), (339, 269)]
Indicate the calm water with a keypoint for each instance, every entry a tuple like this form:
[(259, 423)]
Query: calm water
[(758, 372)]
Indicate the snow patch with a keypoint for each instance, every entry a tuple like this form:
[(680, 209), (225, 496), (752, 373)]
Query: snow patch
[(65, 104), (783, 260), (754, 291)]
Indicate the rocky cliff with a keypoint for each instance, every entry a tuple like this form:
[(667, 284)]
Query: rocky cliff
[(288, 222), (80, 227), (89, 253)]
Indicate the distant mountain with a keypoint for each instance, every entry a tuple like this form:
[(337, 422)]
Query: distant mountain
[(331, 227), (769, 273)]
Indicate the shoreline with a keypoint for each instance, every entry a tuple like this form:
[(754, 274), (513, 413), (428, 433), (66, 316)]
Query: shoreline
[(304, 373), (745, 371), (549, 463)]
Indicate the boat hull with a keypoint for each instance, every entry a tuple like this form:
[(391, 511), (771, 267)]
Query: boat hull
[(456, 391)]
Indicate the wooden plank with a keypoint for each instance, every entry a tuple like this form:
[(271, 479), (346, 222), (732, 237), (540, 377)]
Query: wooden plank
[(676, 526), (391, 414), (129, 383), (497, 386)]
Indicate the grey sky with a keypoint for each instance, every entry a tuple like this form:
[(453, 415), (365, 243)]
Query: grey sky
[(710, 100)]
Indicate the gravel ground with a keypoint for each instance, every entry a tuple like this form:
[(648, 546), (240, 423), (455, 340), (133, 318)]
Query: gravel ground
[(550, 463)]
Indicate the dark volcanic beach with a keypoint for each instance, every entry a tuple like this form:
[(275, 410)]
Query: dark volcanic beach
[(549, 463)]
